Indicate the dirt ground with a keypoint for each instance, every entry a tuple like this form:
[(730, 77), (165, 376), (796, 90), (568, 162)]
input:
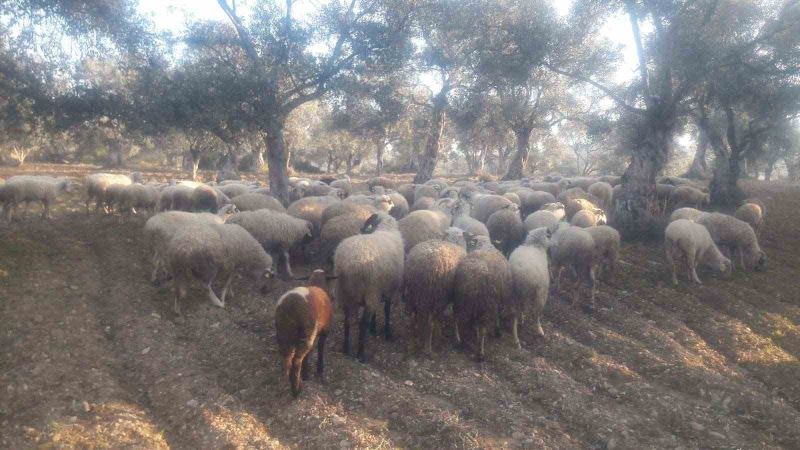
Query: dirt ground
[(91, 356)]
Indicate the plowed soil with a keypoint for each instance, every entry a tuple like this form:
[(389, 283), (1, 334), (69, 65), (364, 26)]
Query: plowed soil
[(91, 356)]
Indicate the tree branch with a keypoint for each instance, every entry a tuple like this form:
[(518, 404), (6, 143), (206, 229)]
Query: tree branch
[(637, 39), (599, 86), (244, 36)]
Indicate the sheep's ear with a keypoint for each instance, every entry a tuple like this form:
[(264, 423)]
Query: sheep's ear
[(549, 233)]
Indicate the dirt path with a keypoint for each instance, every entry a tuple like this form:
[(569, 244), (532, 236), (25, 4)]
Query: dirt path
[(93, 356)]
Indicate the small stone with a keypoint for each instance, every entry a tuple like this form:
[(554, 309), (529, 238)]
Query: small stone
[(193, 403), (146, 350), (409, 383), (338, 420), (337, 392), (215, 325), (413, 363), (696, 426), (611, 444), (517, 436), (716, 435), (156, 315), (86, 407), (344, 443)]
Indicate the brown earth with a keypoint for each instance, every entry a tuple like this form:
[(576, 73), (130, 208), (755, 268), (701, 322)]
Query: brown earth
[(92, 356)]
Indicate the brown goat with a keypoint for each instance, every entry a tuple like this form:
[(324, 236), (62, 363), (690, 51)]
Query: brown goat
[(302, 318)]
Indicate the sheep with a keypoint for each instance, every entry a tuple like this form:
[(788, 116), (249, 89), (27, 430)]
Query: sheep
[(338, 229), (574, 247), (252, 201), (380, 181), (577, 193), (688, 196), (484, 205), (482, 288), (663, 193), (423, 203), (553, 188), (302, 319), (586, 218), (97, 183), (737, 236), (539, 219), (112, 197), (533, 200), (420, 226), (606, 249), (177, 197), (369, 267), (208, 198), (343, 185), (557, 208), (28, 188), (692, 241), (234, 189), (579, 204), (428, 283), (310, 209), (426, 190), (613, 180), (400, 208), (138, 197), (277, 232), (352, 209), (162, 227), (753, 214), (463, 220), (204, 251), (513, 197), (450, 192), (506, 229), (455, 235), (407, 191), (685, 213), (439, 183), (530, 279), (604, 192)]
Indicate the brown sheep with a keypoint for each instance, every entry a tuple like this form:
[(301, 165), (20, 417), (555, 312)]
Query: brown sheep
[(753, 214), (302, 319)]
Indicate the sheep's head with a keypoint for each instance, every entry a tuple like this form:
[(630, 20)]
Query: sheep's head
[(377, 189), (384, 203), (309, 235), (371, 224), (761, 264), (263, 277), (539, 237), (600, 215), (725, 266)]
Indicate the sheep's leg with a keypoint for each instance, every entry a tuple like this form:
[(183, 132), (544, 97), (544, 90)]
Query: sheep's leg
[(514, 324), (362, 335), (306, 370), (287, 264), (387, 318), (593, 286), (429, 340), (45, 209), (298, 364), (691, 261), (740, 253), (346, 341), (323, 336), (481, 335), (156, 266), (287, 364), (458, 335), (671, 262), (373, 324), (213, 296), (226, 288), (180, 292)]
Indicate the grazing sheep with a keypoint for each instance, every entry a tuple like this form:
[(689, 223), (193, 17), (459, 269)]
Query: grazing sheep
[(688, 196), (423, 225), (27, 188), (737, 236), (208, 198), (338, 229), (423, 203), (302, 320), (506, 229), (574, 247), (613, 180), (277, 232), (252, 201), (663, 193), (684, 239), (552, 188), (482, 288), (606, 249), (112, 197), (585, 218), (162, 227), (439, 183), (400, 208), (138, 197), (343, 185), (558, 209), (426, 190), (177, 197), (428, 284), (533, 200), (577, 194), (384, 182), (310, 209), (604, 192), (753, 214), (369, 267), (97, 183), (530, 279), (539, 219), (513, 197), (463, 220), (484, 205), (685, 213)]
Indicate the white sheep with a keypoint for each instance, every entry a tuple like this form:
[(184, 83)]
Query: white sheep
[(530, 278), (28, 188), (420, 226), (276, 232), (607, 244), (138, 197), (604, 192), (588, 218), (541, 218), (462, 219), (311, 208), (688, 196), (369, 268), (97, 183), (573, 247), (753, 214), (684, 239), (686, 213), (737, 236), (484, 205), (252, 201)]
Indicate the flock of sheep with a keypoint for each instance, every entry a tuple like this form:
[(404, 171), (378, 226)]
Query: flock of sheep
[(467, 255)]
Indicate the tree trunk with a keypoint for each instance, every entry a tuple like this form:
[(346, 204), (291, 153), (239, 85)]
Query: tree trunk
[(427, 161), (520, 161), (724, 187), (379, 147), (633, 210), (228, 168), (769, 169), (278, 160), (257, 161), (192, 161), (699, 167), (115, 155)]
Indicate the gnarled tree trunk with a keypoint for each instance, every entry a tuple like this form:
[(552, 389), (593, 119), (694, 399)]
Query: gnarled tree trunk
[(699, 167), (520, 161), (257, 161), (427, 161), (278, 160), (116, 156), (380, 145)]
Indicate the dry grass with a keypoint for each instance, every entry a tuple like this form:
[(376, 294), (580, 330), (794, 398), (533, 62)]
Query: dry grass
[(93, 358)]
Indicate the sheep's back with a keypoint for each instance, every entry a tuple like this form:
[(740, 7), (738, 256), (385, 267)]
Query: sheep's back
[(429, 273)]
